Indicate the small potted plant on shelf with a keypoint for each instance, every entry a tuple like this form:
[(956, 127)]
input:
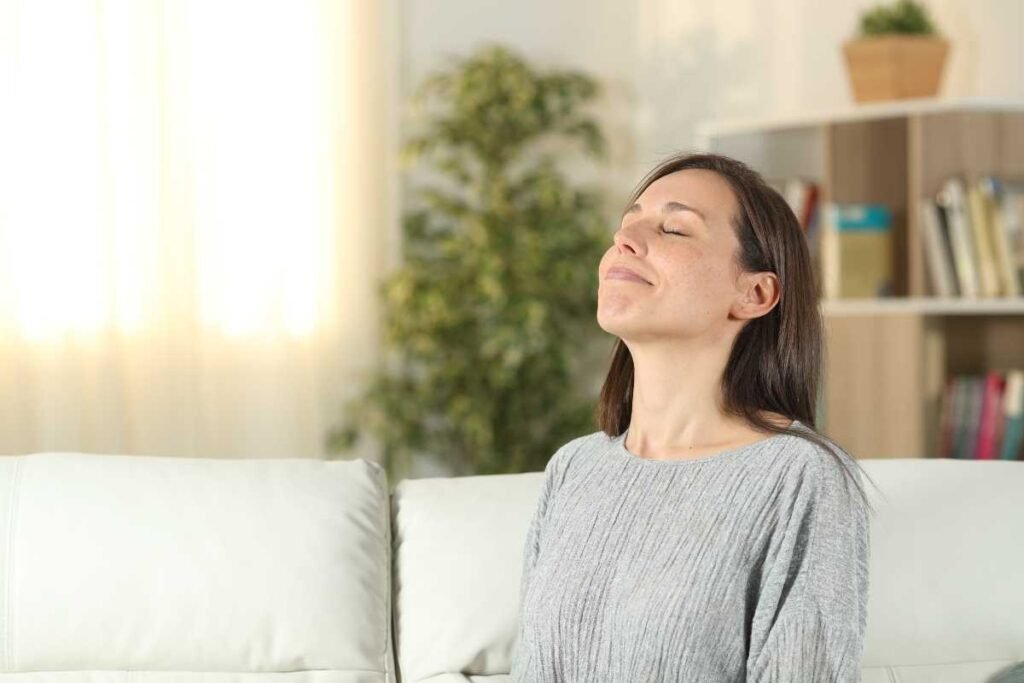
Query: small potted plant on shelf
[(897, 54)]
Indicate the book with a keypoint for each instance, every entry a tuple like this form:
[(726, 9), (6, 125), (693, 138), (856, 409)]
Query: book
[(989, 414), (1011, 210), (1002, 238), (972, 239), (810, 204), (947, 419), (982, 416), (971, 388), (802, 196), (814, 226), (981, 230), (947, 243), (952, 198), (857, 251), (1013, 416), (937, 250), (956, 409)]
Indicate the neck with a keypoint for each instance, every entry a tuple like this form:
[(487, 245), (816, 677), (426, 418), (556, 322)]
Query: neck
[(677, 397)]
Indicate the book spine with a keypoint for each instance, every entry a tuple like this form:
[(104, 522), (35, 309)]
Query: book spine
[(946, 420), (982, 242), (989, 415), (951, 197), (1013, 414), (950, 253), (1013, 216), (991, 190), (970, 410), (934, 251)]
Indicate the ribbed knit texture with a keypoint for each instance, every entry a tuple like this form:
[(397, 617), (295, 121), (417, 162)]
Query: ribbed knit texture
[(747, 565)]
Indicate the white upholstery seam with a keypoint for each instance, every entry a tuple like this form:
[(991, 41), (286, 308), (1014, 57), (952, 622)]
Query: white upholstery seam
[(8, 564), (136, 672), (382, 480), (964, 661)]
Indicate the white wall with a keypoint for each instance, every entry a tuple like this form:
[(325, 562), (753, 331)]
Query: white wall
[(597, 36), (668, 64)]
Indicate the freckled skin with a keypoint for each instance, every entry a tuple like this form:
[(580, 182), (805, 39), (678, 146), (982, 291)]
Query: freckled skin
[(694, 282)]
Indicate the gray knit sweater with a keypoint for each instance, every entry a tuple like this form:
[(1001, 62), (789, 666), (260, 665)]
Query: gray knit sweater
[(747, 565)]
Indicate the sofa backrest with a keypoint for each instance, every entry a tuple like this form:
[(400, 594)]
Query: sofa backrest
[(180, 570), (946, 594)]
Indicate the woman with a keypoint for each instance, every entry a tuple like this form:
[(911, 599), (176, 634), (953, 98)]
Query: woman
[(707, 533)]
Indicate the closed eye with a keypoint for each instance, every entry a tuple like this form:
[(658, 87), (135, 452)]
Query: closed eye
[(673, 232)]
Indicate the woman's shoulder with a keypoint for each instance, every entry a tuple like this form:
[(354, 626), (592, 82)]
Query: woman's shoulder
[(823, 470), (824, 457), (578, 453), (581, 444)]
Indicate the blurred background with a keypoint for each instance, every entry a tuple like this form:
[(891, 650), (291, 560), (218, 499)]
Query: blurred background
[(371, 228)]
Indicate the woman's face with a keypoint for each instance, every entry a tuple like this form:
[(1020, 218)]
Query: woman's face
[(679, 237)]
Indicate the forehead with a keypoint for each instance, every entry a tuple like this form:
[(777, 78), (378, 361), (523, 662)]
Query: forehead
[(704, 190)]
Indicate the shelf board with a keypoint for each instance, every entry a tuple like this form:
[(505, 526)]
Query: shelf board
[(923, 306), (881, 110)]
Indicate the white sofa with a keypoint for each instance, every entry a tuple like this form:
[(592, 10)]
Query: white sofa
[(141, 569)]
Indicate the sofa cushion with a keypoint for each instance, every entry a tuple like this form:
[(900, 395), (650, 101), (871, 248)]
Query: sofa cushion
[(946, 594), (458, 557), (179, 569)]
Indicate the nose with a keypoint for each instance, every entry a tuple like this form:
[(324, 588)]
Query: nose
[(628, 239)]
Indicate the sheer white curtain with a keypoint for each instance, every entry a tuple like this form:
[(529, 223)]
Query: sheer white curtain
[(194, 218)]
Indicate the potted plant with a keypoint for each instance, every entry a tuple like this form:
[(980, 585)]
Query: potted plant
[(485, 320), (898, 54)]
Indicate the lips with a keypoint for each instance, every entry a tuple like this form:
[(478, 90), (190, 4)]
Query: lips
[(623, 273)]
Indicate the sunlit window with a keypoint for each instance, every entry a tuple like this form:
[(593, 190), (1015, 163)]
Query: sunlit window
[(163, 166)]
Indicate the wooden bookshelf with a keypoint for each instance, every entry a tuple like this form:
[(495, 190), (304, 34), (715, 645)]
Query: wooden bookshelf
[(887, 360)]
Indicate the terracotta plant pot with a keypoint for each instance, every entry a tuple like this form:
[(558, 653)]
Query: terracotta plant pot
[(895, 67)]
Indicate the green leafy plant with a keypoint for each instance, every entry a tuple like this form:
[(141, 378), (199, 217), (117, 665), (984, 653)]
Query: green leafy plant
[(485, 319), (902, 17)]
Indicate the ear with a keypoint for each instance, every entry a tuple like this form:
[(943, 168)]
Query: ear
[(757, 296)]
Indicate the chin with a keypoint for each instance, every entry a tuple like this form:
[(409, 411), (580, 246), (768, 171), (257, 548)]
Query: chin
[(613, 323)]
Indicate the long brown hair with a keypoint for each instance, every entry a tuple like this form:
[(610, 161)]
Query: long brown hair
[(775, 363)]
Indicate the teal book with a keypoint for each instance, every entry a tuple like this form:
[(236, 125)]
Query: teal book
[(970, 411), (857, 251), (1013, 431), (977, 396)]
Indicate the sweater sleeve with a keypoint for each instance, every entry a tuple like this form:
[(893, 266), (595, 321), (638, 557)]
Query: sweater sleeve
[(531, 549), (811, 611)]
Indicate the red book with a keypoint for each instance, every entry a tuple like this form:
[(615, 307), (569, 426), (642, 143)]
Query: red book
[(991, 414), (807, 210)]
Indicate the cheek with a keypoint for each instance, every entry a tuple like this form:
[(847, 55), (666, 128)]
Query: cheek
[(702, 275)]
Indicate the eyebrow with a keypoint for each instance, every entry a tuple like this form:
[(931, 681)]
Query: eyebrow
[(668, 207)]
